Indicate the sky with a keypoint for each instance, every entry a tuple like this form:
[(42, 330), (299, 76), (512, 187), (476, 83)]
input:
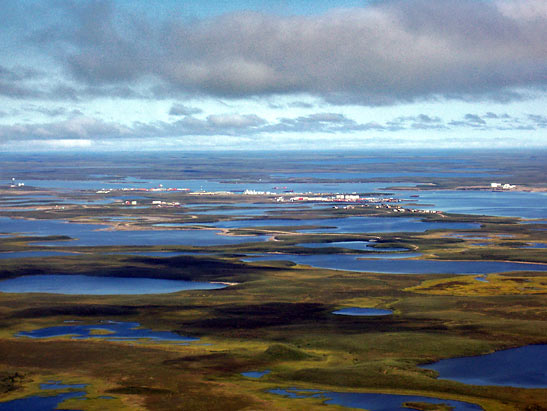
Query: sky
[(256, 74)]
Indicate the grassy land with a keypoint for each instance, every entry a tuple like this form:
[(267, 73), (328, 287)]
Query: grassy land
[(278, 317)]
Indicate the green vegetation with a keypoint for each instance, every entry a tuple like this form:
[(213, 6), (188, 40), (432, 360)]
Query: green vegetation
[(276, 316), (505, 284)]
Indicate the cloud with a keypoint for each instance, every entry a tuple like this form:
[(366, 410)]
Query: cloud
[(383, 53), (501, 121), (234, 121), (419, 122), (67, 144), (182, 110), (474, 119), (300, 104), (18, 73), (75, 128), (213, 125), (491, 115), (538, 120), (52, 111), (317, 122), (326, 118), (249, 126)]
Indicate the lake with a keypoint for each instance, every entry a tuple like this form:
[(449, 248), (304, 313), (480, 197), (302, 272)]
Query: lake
[(110, 330), (524, 367), (536, 245), (360, 175), (349, 224), (96, 235), (496, 203), (89, 285), (362, 312), (33, 254), (398, 266), (353, 245), (371, 401), (255, 374), (39, 402)]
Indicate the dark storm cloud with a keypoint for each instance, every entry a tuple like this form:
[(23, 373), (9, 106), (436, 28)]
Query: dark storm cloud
[(385, 53), (18, 73), (12, 90)]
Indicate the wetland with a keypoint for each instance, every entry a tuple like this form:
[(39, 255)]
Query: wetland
[(377, 303)]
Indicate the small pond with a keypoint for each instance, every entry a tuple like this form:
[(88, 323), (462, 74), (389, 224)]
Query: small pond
[(154, 253), (398, 266), (110, 330), (90, 285), (255, 374), (48, 401), (536, 245), (365, 312), (535, 221), (353, 245), (524, 367), (33, 254), (372, 401), (481, 244)]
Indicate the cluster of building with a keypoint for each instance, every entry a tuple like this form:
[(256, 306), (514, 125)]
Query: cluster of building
[(395, 209), (160, 204), (258, 193), (342, 198), (415, 210), (500, 186), (140, 189), (15, 185)]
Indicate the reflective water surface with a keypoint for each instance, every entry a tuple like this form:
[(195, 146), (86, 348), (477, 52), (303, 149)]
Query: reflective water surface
[(110, 330), (366, 312), (89, 285), (48, 401), (255, 374), (398, 266), (524, 367), (371, 401)]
